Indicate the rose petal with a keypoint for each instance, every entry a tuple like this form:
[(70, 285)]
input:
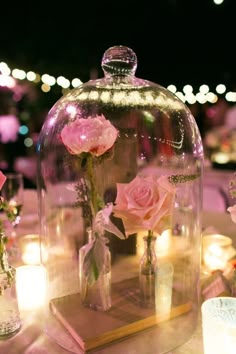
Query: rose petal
[(2, 179)]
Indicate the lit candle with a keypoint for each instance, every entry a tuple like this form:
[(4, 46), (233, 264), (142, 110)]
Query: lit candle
[(32, 250), (31, 253), (217, 250), (31, 286), (219, 325)]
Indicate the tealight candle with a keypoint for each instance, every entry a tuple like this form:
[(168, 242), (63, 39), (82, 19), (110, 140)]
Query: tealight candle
[(31, 287)]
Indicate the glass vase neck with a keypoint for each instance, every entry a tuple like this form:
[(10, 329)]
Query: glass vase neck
[(147, 272), (149, 242)]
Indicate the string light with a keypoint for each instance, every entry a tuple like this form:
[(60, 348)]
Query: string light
[(218, 2), (8, 78)]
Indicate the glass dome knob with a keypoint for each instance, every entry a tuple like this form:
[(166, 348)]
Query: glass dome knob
[(119, 60)]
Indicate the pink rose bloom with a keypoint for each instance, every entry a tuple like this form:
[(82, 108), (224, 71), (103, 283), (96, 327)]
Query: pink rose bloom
[(146, 203), (94, 135), (2, 179), (232, 211)]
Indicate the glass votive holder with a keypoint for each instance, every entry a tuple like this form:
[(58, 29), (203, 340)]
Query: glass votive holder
[(219, 325), (216, 250), (10, 322)]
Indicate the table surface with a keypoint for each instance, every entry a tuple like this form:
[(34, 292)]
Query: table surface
[(35, 338)]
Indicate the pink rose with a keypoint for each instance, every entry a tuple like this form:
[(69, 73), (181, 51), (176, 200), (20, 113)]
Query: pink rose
[(94, 135), (232, 211), (146, 203), (2, 179)]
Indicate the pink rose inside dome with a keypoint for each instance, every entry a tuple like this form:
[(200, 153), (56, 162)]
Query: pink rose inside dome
[(95, 135)]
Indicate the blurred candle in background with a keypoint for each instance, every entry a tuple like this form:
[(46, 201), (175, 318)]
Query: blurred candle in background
[(217, 250)]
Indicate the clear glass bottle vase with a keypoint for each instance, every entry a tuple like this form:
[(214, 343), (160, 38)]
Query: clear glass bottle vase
[(147, 273), (10, 322), (95, 273)]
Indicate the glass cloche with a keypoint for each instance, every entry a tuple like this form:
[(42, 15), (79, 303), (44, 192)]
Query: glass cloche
[(120, 196)]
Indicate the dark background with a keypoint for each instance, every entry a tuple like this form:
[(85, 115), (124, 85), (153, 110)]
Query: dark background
[(176, 41)]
